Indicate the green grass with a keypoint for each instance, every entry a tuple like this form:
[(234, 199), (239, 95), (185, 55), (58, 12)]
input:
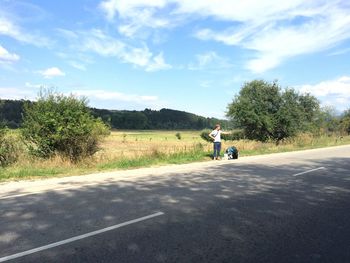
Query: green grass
[(154, 160), (30, 172)]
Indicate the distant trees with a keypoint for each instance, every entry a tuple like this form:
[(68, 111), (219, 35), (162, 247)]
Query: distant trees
[(164, 119), (11, 112), (63, 125), (267, 112)]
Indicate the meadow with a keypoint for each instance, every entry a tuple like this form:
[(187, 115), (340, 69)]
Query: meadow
[(133, 149)]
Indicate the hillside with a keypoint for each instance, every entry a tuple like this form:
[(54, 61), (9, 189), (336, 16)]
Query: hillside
[(11, 112)]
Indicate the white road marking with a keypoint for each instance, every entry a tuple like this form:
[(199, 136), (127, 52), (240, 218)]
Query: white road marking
[(309, 171), (72, 239)]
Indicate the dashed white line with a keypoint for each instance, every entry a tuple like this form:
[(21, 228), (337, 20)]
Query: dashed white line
[(72, 239), (309, 171)]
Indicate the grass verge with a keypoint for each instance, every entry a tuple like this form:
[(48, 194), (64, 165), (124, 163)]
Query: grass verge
[(58, 168)]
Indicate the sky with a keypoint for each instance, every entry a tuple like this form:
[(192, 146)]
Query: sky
[(185, 55)]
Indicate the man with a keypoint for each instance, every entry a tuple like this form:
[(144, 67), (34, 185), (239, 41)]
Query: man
[(216, 136)]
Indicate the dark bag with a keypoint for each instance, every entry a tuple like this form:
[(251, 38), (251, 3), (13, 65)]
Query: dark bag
[(232, 152)]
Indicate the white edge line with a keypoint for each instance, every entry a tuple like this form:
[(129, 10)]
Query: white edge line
[(72, 239), (309, 171)]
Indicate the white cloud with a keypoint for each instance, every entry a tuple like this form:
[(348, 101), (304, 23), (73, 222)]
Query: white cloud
[(77, 65), (136, 15), (7, 57), (158, 63), (51, 72), (104, 45), (10, 29), (274, 30), (331, 92), (12, 93), (340, 52), (116, 96), (209, 60), (319, 29)]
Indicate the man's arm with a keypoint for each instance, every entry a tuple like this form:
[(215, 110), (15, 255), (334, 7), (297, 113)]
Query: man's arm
[(211, 136)]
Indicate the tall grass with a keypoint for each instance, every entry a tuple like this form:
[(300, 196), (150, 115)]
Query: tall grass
[(124, 150)]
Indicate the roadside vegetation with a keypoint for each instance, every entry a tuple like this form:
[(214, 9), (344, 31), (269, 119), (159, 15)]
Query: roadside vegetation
[(60, 136)]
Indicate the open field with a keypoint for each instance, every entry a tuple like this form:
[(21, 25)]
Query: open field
[(132, 149)]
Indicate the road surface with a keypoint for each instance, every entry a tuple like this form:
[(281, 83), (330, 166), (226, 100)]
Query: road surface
[(289, 207)]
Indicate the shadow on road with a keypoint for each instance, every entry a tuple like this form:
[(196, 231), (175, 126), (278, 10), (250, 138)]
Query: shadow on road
[(229, 213)]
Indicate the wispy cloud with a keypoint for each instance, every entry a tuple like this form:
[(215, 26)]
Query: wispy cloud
[(115, 99), (209, 60), (116, 96), (51, 72), (331, 92), (102, 44), (11, 29), (273, 30), (312, 29), (7, 57), (13, 93), (136, 15)]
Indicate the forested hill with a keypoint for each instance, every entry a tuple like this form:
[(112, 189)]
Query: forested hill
[(165, 119)]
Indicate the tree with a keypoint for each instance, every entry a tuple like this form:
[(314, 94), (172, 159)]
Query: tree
[(328, 120), (345, 122), (58, 124), (266, 112)]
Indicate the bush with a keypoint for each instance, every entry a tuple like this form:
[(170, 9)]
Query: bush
[(63, 125), (178, 135), (8, 149), (205, 135)]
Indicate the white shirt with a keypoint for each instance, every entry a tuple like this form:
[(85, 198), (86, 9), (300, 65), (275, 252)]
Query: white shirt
[(217, 135)]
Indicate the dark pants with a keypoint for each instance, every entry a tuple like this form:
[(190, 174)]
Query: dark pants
[(217, 149)]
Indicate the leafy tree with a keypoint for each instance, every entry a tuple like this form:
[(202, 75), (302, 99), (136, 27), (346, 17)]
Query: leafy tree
[(328, 120), (266, 112), (345, 122), (58, 124)]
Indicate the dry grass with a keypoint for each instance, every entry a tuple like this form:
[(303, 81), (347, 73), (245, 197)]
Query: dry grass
[(133, 144), (125, 149)]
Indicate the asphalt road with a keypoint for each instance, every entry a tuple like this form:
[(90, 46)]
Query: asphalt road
[(291, 207)]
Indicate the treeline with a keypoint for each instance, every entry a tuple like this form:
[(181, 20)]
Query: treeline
[(11, 112)]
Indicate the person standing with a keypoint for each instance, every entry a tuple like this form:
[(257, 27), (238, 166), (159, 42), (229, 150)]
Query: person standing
[(216, 136)]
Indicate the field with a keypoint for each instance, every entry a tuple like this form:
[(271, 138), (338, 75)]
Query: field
[(139, 143), (132, 149)]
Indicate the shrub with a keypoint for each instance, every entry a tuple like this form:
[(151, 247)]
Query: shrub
[(8, 149), (205, 135), (178, 135), (63, 125)]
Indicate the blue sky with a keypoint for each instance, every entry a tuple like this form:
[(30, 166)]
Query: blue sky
[(179, 54)]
